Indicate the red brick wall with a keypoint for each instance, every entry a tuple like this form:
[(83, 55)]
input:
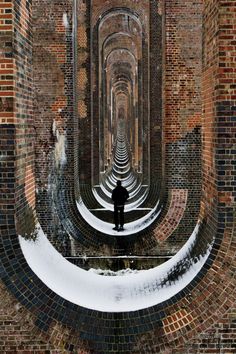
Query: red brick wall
[(16, 108), (25, 179), (7, 116), (201, 320), (49, 66), (182, 67), (209, 85), (182, 110), (6, 64)]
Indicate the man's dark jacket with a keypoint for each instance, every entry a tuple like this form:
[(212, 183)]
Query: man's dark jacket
[(120, 195)]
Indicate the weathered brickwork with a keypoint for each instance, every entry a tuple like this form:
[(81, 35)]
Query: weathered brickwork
[(7, 118), (7, 64), (182, 100), (84, 93), (53, 106), (43, 109), (25, 133), (174, 215)]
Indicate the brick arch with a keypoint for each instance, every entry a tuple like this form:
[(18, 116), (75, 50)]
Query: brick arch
[(98, 72), (185, 321), (63, 199), (95, 239)]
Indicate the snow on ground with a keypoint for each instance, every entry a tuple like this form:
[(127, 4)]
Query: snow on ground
[(110, 294), (108, 272), (107, 228)]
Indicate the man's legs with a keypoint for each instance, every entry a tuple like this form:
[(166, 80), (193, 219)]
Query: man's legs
[(121, 218), (116, 218)]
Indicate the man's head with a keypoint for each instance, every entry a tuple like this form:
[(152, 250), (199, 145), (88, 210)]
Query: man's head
[(118, 183)]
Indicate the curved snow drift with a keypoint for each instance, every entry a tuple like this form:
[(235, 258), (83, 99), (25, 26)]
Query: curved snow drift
[(111, 294), (107, 228)]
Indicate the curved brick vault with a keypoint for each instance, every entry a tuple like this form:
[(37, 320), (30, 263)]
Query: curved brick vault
[(141, 90)]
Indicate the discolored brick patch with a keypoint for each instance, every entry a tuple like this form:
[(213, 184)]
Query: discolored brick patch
[(178, 202), (177, 321)]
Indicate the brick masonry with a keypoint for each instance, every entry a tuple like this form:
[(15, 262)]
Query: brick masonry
[(201, 318)]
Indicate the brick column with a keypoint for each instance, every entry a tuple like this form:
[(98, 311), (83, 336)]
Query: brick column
[(24, 124), (17, 151), (219, 106), (7, 117)]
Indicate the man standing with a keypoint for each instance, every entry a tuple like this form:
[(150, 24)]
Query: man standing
[(119, 197)]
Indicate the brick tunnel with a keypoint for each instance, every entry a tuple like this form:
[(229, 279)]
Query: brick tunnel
[(98, 91)]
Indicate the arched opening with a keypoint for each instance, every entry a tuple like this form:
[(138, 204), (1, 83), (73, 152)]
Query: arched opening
[(120, 93)]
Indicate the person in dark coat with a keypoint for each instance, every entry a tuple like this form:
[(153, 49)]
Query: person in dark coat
[(119, 197)]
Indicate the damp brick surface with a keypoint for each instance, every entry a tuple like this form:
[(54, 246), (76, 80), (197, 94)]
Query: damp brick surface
[(42, 107)]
